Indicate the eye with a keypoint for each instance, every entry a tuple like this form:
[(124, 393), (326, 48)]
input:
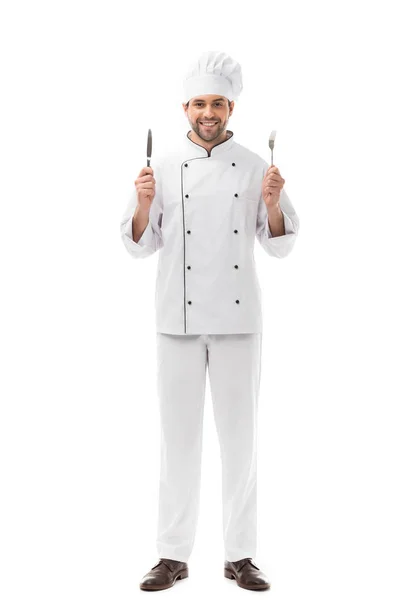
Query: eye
[(200, 104)]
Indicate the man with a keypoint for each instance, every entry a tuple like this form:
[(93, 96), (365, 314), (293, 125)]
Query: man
[(213, 198)]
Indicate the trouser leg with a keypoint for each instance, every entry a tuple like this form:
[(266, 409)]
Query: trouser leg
[(181, 376), (234, 364)]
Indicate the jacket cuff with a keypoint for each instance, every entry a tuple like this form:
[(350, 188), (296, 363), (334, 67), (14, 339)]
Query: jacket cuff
[(146, 237), (289, 227)]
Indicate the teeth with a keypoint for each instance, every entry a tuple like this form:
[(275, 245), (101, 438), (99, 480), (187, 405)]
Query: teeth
[(206, 123)]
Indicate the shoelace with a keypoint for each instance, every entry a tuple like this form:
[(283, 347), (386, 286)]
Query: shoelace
[(161, 561), (245, 562)]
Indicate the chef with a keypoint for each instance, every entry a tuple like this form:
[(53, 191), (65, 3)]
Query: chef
[(201, 206)]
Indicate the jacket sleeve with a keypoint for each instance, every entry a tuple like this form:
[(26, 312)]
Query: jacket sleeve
[(281, 245), (151, 239)]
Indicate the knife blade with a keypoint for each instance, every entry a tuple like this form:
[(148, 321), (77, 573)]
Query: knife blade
[(149, 146)]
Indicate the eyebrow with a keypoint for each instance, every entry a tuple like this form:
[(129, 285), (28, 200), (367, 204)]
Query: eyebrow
[(200, 100)]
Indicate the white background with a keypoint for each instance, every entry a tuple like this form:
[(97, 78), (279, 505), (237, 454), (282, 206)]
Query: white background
[(82, 82)]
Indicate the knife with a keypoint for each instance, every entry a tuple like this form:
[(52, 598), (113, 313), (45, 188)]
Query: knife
[(149, 146), (271, 145)]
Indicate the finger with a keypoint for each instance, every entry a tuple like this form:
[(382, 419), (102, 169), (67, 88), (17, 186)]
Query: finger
[(274, 184), (145, 178), (274, 176), (272, 191), (146, 170)]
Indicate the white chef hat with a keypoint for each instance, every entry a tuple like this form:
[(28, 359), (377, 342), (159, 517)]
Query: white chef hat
[(213, 73)]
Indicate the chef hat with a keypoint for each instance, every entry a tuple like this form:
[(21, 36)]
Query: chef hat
[(213, 73)]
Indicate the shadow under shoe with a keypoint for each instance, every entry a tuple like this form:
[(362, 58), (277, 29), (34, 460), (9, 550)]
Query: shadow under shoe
[(164, 574)]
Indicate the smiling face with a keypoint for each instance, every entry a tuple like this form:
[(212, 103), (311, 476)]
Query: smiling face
[(208, 116)]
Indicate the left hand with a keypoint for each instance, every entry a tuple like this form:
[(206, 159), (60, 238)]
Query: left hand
[(271, 186)]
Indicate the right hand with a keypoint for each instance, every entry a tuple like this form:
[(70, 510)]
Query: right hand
[(145, 188)]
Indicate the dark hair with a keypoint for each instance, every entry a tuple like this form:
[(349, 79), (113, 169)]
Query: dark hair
[(229, 103)]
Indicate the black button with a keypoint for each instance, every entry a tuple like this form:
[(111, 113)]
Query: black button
[(189, 267), (187, 196), (185, 164), (188, 231), (236, 195), (237, 301), (236, 267), (189, 302), (233, 164), (235, 231)]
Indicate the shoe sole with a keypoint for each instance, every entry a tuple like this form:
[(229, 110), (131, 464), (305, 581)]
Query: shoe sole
[(262, 586), (152, 588)]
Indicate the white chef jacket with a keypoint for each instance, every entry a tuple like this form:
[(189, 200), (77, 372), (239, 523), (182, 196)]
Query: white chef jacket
[(207, 210)]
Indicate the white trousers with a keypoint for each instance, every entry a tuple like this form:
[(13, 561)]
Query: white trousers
[(233, 362)]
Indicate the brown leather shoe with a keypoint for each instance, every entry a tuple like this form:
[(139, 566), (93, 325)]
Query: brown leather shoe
[(247, 574), (164, 574)]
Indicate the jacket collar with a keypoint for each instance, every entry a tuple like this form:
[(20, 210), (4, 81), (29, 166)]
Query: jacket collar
[(217, 149)]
